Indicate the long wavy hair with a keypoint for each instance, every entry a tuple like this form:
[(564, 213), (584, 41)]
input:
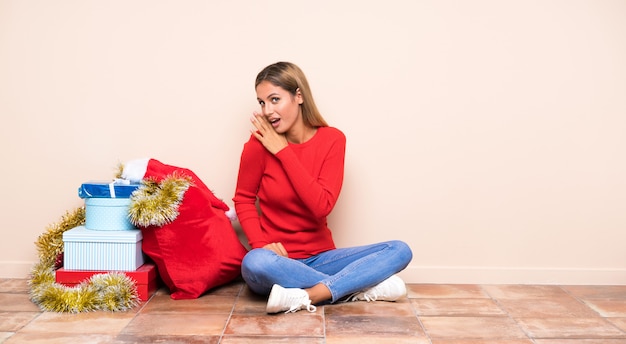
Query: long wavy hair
[(290, 77)]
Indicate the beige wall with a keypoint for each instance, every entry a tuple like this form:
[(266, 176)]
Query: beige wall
[(489, 135)]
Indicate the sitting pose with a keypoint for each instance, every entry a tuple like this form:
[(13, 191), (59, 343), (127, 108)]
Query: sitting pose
[(293, 165)]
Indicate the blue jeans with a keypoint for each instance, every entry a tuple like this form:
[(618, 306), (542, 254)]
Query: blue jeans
[(344, 271)]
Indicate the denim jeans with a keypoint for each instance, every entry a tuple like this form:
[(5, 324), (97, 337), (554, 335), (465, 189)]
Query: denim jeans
[(344, 271)]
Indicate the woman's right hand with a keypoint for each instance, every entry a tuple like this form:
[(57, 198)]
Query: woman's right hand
[(277, 248), (265, 133)]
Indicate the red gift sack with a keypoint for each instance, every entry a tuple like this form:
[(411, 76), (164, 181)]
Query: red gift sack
[(185, 231)]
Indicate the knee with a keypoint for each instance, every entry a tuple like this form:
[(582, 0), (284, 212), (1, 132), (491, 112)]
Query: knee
[(403, 250), (259, 263), (254, 261), (256, 268)]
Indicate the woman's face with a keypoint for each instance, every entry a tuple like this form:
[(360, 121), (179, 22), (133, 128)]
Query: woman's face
[(281, 108)]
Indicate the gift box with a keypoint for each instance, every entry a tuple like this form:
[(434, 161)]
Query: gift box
[(106, 204), (118, 188), (146, 278), (86, 249), (107, 214)]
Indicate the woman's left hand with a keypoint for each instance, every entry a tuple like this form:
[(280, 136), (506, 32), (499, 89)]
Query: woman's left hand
[(277, 248), (265, 133)]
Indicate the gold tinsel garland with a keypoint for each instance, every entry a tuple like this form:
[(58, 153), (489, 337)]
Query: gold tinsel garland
[(156, 203), (109, 292)]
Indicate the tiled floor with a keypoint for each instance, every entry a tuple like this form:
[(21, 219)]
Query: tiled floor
[(430, 314)]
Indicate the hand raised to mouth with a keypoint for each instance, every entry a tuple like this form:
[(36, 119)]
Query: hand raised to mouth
[(265, 133)]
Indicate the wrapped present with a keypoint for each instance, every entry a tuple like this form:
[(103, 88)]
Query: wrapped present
[(107, 214), (146, 278), (118, 188), (87, 249), (106, 204)]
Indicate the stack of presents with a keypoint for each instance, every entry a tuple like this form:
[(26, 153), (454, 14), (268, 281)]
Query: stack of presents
[(108, 241), (158, 218)]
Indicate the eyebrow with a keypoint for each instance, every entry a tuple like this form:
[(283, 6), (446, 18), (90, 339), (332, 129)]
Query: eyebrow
[(270, 96)]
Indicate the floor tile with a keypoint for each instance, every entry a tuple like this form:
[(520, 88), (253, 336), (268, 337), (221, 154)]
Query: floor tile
[(439, 291), (162, 291), (207, 304), (598, 291), (14, 321), (401, 308), (377, 339), (5, 335), (485, 328), (457, 307), (482, 341), (300, 324), (56, 338), (580, 341), (608, 308), (91, 322), (14, 286), (358, 326), (250, 303), (570, 328), (618, 322), (271, 340), (561, 307), (430, 314), (12, 302), (230, 289), (176, 325), (524, 291), (135, 339)]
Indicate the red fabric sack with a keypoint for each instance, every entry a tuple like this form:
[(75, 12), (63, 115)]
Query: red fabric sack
[(197, 250)]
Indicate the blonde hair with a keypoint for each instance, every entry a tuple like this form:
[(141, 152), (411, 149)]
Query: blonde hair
[(290, 77)]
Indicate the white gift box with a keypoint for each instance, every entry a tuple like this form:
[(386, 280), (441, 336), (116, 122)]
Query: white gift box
[(86, 249), (107, 214)]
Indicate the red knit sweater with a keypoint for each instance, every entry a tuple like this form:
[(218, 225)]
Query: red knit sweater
[(297, 188)]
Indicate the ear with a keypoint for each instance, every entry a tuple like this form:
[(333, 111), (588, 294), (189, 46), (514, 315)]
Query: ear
[(298, 96)]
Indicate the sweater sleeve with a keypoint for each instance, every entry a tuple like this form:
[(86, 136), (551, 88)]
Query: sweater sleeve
[(318, 193), (248, 182)]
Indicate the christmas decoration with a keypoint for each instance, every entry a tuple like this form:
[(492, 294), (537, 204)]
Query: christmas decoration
[(108, 292), (146, 278), (185, 228), (156, 203)]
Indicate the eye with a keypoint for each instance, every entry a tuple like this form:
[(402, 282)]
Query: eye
[(261, 102), (275, 99)]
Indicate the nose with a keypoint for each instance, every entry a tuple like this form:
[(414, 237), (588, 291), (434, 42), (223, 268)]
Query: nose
[(268, 109)]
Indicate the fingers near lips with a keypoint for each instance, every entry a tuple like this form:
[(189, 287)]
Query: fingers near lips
[(259, 124)]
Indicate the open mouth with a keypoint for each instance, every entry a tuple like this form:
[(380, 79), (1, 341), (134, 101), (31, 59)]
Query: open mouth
[(274, 122)]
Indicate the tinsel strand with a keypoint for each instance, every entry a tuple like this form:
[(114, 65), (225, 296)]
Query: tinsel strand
[(156, 204), (108, 292)]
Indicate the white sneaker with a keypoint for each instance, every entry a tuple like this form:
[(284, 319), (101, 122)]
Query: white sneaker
[(288, 300), (390, 289)]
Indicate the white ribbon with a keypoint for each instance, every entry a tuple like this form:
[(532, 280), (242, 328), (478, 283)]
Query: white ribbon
[(117, 181)]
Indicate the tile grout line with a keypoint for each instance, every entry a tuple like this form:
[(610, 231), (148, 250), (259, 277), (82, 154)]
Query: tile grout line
[(230, 315), (508, 314), (582, 302), (28, 293), (141, 307), (324, 323), (419, 319)]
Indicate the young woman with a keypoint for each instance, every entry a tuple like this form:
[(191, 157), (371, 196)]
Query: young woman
[(293, 165)]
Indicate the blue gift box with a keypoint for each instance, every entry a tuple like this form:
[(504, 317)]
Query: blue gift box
[(107, 214), (118, 188), (86, 249)]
